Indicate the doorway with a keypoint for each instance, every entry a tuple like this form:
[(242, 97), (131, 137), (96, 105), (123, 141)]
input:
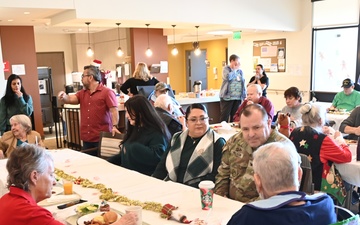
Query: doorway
[(56, 61), (195, 69)]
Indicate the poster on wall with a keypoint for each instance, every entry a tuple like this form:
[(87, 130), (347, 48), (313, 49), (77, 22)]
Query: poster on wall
[(271, 54), (42, 86)]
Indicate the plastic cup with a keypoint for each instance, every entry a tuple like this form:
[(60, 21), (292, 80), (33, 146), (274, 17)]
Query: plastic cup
[(68, 187), (137, 211), (206, 194)]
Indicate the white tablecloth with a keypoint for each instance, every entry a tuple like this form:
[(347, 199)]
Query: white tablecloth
[(135, 186), (350, 172), (338, 118)]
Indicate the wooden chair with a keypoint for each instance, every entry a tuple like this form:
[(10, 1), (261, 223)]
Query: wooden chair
[(109, 145), (306, 184)]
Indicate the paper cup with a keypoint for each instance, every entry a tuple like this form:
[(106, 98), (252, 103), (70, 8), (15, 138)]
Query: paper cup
[(137, 211), (206, 194)]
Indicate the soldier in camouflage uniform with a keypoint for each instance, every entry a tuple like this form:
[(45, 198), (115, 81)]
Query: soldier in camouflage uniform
[(235, 177)]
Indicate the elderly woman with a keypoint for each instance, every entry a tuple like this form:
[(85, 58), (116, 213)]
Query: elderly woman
[(141, 77), (20, 133), (319, 147), (194, 154), (30, 180)]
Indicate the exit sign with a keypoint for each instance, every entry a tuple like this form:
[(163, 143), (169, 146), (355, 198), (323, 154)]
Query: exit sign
[(237, 35)]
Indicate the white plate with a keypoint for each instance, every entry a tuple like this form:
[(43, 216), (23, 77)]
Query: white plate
[(91, 216), (57, 190)]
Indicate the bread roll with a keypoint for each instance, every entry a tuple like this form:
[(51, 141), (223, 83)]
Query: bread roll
[(110, 217)]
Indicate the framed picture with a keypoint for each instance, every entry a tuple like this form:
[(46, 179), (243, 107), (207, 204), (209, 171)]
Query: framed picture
[(42, 86)]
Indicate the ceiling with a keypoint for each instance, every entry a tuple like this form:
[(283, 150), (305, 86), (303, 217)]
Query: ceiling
[(41, 19)]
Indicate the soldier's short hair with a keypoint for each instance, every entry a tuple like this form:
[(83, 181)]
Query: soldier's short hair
[(249, 109)]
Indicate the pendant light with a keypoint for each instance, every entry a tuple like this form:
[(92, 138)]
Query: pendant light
[(89, 51), (148, 50), (119, 51), (197, 50), (174, 51)]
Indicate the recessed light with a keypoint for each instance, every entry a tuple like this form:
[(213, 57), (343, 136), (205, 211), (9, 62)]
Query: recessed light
[(26, 13), (10, 20)]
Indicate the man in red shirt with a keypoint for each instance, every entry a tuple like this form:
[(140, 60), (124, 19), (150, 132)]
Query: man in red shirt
[(254, 95), (98, 106)]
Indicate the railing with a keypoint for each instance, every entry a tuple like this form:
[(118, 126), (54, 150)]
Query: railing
[(67, 128)]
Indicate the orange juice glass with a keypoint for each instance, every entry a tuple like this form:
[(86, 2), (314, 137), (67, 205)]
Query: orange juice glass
[(68, 187)]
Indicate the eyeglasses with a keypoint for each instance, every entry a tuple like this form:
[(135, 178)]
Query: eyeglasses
[(195, 120), (85, 75)]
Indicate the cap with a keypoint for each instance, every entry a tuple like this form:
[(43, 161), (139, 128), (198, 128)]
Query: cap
[(347, 83), (161, 86), (96, 63)]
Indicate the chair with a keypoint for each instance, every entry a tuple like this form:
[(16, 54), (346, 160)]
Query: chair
[(145, 90), (345, 216), (306, 184), (109, 145)]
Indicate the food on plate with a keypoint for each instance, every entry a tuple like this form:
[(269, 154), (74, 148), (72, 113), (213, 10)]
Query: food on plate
[(86, 209), (103, 219), (105, 208)]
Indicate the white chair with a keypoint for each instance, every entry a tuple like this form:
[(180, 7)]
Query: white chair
[(109, 145)]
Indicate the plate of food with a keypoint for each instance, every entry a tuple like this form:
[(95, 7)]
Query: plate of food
[(99, 218), (86, 208), (57, 190)]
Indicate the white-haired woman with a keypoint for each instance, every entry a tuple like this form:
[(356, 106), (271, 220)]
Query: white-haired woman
[(30, 180), (20, 133), (319, 147)]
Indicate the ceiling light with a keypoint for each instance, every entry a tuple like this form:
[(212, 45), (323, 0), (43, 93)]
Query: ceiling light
[(197, 50), (148, 50), (26, 13), (89, 51), (174, 51), (119, 50)]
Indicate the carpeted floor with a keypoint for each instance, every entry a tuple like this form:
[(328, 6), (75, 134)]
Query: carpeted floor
[(50, 139)]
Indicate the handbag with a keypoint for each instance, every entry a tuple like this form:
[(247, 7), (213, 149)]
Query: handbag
[(332, 182)]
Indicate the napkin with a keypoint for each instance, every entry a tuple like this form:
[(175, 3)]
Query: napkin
[(58, 199), (225, 125)]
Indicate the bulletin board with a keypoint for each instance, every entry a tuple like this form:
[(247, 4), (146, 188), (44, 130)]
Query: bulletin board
[(271, 54)]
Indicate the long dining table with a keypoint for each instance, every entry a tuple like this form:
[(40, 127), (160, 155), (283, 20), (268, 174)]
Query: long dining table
[(133, 185)]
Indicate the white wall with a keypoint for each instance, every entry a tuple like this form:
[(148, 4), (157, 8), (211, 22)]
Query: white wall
[(57, 43), (298, 58)]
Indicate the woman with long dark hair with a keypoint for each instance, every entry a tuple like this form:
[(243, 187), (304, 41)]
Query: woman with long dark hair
[(260, 78), (15, 101), (146, 139)]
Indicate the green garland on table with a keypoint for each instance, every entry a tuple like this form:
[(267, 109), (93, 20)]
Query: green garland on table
[(108, 194)]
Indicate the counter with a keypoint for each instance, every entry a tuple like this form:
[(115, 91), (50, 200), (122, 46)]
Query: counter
[(212, 103)]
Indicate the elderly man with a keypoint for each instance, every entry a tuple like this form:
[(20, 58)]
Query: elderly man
[(98, 106), (235, 178), (254, 95), (164, 107), (347, 99), (351, 125), (162, 88), (277, 174)]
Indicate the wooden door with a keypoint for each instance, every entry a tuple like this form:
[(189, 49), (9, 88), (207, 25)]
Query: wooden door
[(56, 61)]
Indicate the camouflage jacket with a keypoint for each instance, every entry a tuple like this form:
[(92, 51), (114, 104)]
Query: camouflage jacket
[(235, 178)]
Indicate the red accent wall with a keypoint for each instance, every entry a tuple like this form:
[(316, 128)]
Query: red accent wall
[(158, 45), (18, 47)]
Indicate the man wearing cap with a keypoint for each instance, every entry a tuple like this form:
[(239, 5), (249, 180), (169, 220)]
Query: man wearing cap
[(98, 106), (347, 99), (162, 88)]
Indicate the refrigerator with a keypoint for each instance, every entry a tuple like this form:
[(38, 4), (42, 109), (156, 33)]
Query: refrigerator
[(46, 96)]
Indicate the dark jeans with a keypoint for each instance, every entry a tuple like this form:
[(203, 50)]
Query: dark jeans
[(89, 145), (228, 109)]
